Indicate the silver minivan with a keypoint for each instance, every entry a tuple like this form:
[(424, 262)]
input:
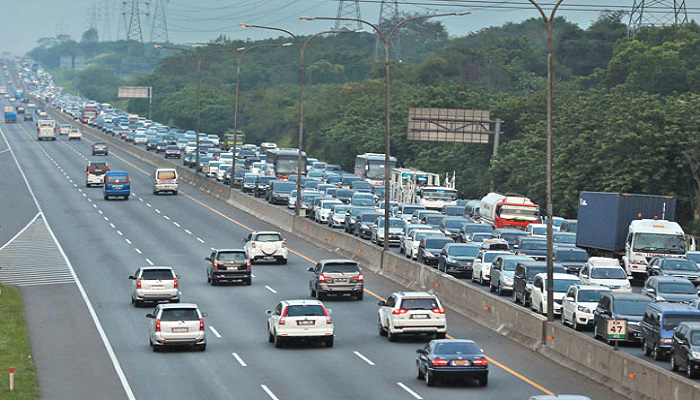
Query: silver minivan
[(177, 325), (165, 180), (154, 284)]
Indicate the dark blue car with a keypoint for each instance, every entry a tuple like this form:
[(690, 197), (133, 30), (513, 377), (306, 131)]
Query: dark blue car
[(117, 184), (453, 359)]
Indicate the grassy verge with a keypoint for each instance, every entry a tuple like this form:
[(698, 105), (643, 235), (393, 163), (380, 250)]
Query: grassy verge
[(14, 349)]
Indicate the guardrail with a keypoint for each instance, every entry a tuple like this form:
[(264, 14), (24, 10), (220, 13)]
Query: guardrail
[(617, 370)]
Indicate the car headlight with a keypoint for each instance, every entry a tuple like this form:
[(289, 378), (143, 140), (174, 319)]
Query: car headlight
[(363, 226), (428, 254), (695, 354), (584, 309), (451, 260), (660, 298), (637, 259), (507, 279), (666, 341)]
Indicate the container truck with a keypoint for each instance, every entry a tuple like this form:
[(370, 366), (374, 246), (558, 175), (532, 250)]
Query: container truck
[(631, 227), (504, 211), (10, 114)]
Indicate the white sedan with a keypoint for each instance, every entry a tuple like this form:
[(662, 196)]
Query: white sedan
[(579, 304)]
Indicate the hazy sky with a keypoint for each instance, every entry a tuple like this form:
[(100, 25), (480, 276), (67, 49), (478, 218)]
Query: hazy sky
[(202, 20)]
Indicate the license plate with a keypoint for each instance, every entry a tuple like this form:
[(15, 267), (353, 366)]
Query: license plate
[(306, 322), (180, 330), (117, 187), (340, 280), (419, 316), (157, 287), (460, 362), (268, 258)]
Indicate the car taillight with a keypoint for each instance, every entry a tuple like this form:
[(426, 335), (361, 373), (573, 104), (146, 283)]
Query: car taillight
[(138, 283), (252, 244), (328, 317), (158, 325), (215, 265), (127, 180), (439, 362), (283, 317), (480, 362), (201, 324), (284, 244), (399, 311), (175, 283), (357, 278), (247, 265), (322, 278), (438, 310)]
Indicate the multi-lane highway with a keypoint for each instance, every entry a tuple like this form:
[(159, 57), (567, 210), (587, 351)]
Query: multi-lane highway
[(106, 241)]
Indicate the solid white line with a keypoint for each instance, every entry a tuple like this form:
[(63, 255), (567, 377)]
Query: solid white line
[(188, 232), (137, 250), (176, 224), (21, 172), (21, 231), (240, 360), (200, 240), (411, 392), (4, 151), (269, 392), (98, 325), (127, 240), (166, 217), (270, 289), (149, 262), (214, 331), (367, 360)]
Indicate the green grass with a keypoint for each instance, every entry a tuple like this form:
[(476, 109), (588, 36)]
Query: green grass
[(14, 349)]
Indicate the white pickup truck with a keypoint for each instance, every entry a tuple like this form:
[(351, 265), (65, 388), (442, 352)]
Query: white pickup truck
[(46, 129)]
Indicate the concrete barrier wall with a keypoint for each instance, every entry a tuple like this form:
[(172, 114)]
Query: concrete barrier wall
[(617, 370)]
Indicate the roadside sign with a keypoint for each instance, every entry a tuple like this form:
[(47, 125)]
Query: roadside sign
[(617, 329)]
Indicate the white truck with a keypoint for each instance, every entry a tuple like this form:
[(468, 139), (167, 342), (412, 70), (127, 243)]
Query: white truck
[(46, 129)]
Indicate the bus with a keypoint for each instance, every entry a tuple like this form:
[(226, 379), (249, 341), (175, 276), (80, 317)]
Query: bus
[(370, 167), (436, 197), (88, 113), (282, 163)]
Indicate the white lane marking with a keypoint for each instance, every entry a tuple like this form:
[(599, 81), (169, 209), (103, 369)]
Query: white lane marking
[(137, 250), (120, 232), (188, 232), (252, 276), (4, 151), (411, 392), (21, 171), (240, 360), (148, 204), (214, 331), (84, 195), (127, 240), (365, 359), (106, 219), (158, 211), (112, 225), (166, 217), (149, 262), (140, 199), (269, 392), (270, 289), (200, 240), (90, 200), (176, 224), (94, 205), (100, 211), (80, 190)]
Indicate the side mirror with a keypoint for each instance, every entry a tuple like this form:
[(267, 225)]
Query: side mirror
[(382, 303), (584, 275), (515, 247), (177, 276), (329, 311), (205, 314), (268, 312), (420, 351), (132, 277), (310, 269), (570, 298), (149, 316), (650, 290), (207, 258)]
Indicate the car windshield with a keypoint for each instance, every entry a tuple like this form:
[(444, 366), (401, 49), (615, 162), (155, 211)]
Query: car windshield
[(454, 223), (433, 220), (420, 235), (341, 268), (677, 288), (509, 265), (362, 202), (456, 348), (328, 205), (344, 193), (672, 320), (179, 314), (525, 213), (589, 296), (157, 274), (562, 285), (340, 209), (480, 236), (419, 304), (310, 310), (564, 238), (437, 243), (540, 230), (648, 242), (608, 273), (408, 210), (172, 147), (369, 217), (284, 186), (268, 237), (462, 251), (533, 245), (439, 194), (511, 237), (393, 223), (694, 257), (695, 338), (571, 255), (679, 265), (249, 179), (532, 271), (631, 307), (488, 257), (166, 174), (231, 256)]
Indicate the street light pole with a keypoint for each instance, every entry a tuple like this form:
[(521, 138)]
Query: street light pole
[(548, 20), (387, 142)]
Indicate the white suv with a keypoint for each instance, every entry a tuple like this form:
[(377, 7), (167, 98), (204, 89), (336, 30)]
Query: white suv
[(323, 210), (300, 320), (154, 284), (579, 304), (266, 246), (411, 313), (601, 271), (177, 324), (481, 267)]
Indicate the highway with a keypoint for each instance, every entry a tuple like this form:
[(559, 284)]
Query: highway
[(106, 241)]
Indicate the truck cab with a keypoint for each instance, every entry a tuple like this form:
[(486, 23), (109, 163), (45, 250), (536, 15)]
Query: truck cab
[(648, 238)]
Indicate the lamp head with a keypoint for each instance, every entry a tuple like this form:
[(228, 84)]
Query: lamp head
[(307, 18), (244, 25)]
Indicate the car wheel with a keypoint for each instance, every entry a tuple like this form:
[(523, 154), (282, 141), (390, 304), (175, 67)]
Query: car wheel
[(689, 371), (419, 373), (313, 292), (105, 196), (440, 335), (483, 381), (645, 346), (248, 281), (319, 295), (329, 342), (270, 336), (515, 297), (596, 335), (208, 277), (137, 303), (574, 324), (359, 296), (380, 328), (393, 337), (214, 281), (201, 347), (283, 261), (429, 380), (491, 288), (674, 366), (278, 342), (499, 289), (656, 353)]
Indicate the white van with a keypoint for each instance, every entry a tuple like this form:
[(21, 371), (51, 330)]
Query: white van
[(165, 180)]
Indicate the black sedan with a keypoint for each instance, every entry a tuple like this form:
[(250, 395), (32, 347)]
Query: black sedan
[(456, 259), (452, 359), (160, 146)]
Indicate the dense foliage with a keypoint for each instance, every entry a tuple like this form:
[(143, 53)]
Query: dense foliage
[(625, 119)]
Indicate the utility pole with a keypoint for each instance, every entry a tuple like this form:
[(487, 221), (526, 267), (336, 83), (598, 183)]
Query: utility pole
[(388, 16), (656, 13), (348, 9), (159, 25)]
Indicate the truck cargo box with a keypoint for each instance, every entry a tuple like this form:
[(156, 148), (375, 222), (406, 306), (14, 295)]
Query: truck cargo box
[(604, 218)]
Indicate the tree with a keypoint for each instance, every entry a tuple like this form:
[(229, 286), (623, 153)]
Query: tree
[(90, 36)]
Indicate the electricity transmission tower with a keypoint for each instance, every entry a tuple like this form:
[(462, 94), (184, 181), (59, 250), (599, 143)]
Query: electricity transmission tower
[(159, 25), (656, 13), (107, 14), (388, 16), (134, 33), (348, 9)]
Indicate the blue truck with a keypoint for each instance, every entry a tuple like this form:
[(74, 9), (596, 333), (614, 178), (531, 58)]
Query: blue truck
[(10, 115)]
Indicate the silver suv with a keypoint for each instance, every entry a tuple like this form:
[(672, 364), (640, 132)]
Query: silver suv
[(154, 284), (177, 325), (336, 277), (412, 313)]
